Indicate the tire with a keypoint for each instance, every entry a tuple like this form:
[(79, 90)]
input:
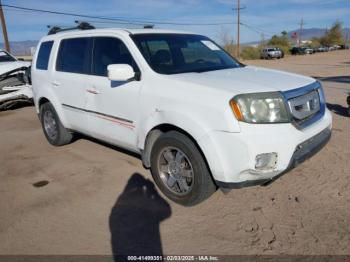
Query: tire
[(53, 129), (199, 182)]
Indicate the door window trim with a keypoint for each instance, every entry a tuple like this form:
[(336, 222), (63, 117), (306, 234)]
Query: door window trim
[(88, 61), (137, 73)]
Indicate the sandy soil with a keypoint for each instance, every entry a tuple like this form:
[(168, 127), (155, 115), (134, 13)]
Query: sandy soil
[(100, 200)]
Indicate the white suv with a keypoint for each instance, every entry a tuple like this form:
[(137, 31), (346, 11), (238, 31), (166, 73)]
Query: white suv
[(199, 119)]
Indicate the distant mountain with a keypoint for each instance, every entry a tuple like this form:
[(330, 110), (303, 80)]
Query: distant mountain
[(309, 33), (21, 47)]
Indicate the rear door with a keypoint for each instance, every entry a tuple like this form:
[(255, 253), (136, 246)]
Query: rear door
[(73, 64), (112, 106)]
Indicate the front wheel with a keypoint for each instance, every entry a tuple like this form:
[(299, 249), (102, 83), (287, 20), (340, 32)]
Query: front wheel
[(180, 170)]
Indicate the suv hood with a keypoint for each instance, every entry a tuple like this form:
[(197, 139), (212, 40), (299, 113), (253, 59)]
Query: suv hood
[(8, 66), (246, 79)]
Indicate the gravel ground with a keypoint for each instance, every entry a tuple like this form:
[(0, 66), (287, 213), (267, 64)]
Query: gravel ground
[(96, 199)]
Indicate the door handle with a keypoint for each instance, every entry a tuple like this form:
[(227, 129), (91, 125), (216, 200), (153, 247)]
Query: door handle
[(92, 91), (55, 83)]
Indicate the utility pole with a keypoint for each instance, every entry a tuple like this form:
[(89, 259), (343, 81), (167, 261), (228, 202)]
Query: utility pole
[(301, 30), (238, 24), (4, 29), (262, 43)]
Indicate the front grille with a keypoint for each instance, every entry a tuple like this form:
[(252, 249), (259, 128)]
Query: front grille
[(306, 104)]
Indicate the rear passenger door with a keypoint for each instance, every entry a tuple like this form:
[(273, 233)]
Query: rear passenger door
[(73, 64), (113, 106)]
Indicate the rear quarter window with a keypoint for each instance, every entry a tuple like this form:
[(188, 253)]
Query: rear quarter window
[(42, 61)]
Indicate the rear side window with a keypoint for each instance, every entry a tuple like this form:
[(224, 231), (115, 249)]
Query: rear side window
[(42, 61), (74, 56), (107, 51)]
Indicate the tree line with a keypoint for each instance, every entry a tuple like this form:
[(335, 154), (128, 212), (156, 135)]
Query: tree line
[(333, 36)]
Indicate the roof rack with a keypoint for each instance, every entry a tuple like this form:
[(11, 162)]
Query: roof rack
[(81, 26)]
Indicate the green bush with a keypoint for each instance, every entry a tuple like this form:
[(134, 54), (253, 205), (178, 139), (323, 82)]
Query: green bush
[(281, 42), (250, 52)]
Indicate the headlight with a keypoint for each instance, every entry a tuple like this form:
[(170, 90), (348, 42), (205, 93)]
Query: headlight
[(260, 108)]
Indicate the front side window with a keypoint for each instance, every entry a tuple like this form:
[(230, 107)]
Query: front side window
[(182, 53), (107, 51), (74, 55)]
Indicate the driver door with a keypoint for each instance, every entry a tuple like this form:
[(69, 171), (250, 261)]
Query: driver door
[(113, 106)]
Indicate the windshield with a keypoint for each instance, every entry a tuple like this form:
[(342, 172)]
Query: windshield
[(5, 57), (182, 53)]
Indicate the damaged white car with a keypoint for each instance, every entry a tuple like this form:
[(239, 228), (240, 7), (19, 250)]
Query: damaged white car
[(15, 82)]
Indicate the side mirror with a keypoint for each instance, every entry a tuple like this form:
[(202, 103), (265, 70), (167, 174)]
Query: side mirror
[(120, 72)]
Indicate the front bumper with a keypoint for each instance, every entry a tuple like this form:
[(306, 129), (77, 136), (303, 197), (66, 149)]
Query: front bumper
[(232, 156), (303, 151)]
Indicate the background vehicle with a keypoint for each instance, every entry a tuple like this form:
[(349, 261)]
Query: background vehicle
[(8, 62), (301, 51), (282, 53), (15, 81), (297, 51), (344, 47), (198, 118), (322, 49), (308, 50), (269, 53)]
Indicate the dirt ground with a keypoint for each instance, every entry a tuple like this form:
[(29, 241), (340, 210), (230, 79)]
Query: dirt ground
[(95, 199)]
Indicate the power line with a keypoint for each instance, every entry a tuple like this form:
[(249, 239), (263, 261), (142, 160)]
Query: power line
[(257, 30), (122, 20), (125, 20)]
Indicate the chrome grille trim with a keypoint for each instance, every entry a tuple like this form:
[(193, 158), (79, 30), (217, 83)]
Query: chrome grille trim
[(306, 105)]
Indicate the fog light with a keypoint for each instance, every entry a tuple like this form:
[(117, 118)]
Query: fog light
[(266, 161)]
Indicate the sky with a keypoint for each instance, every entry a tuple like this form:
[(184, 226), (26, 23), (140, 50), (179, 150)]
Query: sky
[(258, 16)]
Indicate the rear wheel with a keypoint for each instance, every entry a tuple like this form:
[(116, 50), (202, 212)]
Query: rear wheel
[(179, 169), (54, 131)]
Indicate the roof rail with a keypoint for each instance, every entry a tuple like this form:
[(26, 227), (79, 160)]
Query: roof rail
[(81, 26)]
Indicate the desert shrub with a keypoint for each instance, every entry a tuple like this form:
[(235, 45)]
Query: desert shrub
[(281, 42), (250, 52), (334, 36), (231, 49)]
